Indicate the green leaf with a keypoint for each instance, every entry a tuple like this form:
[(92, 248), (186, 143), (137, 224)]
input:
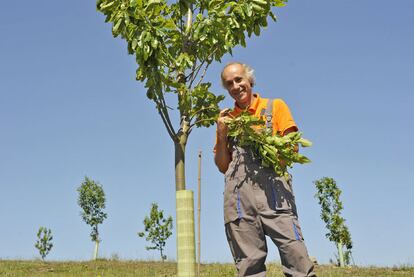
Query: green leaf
[(154, 43), (116, 26), (257, 30), (103, 6), (169, 24), (257, 8), (151, 3), (305, 142), (273, 16)]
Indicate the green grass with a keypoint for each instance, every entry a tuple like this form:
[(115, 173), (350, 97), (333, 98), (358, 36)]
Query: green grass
[(107, 268)]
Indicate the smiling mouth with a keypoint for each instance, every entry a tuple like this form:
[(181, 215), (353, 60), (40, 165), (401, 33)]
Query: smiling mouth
[(240, 93)]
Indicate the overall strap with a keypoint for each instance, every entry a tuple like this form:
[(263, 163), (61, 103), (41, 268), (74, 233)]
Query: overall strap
[(268, 113)]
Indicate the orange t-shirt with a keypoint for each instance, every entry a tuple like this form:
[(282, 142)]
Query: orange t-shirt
[(281, 117)]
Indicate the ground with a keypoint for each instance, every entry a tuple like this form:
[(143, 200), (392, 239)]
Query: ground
[(107, 268)]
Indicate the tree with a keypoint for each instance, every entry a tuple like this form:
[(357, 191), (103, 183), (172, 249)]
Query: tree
[(92, 201), (44, 241), (328, 195), (157, 230), (174, 44)]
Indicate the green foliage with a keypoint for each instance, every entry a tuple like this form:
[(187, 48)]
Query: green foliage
[(92, 201), (275, 151), (44, 241), (174, 44), (157, 230), (328, 195)]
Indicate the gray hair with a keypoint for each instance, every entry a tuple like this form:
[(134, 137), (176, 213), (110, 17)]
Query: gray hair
[(247, 70)]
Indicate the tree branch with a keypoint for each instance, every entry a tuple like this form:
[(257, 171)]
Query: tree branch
[(169, 128), (198, 121), (200, 110), (194, 73), (203, 74), (208, 60), (163, 112)]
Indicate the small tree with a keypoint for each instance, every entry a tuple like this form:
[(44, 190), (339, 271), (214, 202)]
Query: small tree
[(44, 241), (92, 201), (157, 230), (328, 196)]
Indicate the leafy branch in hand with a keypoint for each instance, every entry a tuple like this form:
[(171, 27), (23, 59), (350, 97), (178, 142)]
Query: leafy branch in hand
[(275, 151)]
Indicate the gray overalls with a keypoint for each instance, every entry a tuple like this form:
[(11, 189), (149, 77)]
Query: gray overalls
[(257, 203)]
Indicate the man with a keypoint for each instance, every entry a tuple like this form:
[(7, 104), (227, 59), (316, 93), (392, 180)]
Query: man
[(257, 202)]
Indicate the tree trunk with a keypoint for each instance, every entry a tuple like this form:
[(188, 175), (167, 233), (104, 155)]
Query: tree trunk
[(184, 209), (340, 254), (180, 162), (95, 252)]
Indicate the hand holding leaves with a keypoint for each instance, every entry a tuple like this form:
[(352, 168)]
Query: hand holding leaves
[(275, 151)]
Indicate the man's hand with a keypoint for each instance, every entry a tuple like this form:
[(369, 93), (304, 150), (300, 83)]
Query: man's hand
[(222, 156), (289, 130), (222, 128)]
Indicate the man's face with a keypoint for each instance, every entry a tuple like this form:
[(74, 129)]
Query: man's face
[(237, 84)]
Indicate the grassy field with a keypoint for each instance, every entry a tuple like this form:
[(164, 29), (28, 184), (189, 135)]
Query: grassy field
[(106, 268)]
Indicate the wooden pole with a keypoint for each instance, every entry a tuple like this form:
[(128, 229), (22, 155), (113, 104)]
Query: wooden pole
[(198, 213)]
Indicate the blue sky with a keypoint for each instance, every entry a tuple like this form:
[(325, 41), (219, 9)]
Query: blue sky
[(70, 107)]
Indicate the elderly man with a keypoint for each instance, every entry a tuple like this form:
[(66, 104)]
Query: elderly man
[(257, 202)]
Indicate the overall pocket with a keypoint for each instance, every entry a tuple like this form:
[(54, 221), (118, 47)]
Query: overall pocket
[(232, 202)]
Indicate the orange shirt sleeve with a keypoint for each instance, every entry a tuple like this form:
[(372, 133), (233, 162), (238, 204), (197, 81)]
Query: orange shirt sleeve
[(283, 119)]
